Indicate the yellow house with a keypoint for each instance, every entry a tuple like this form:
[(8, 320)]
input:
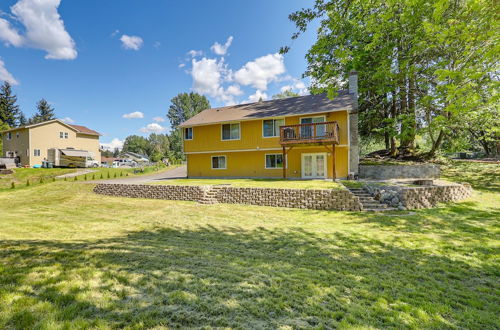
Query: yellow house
[(31, 143), (300, 137)]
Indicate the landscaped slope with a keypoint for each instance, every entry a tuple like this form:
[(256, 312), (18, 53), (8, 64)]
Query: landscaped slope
[(71, 258)]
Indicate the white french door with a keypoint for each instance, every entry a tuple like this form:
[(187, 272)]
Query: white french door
[(314, 166)]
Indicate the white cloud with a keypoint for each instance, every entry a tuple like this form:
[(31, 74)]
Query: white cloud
[(157, 44), (131, 42), (208, 75), (153, 128), (181, 65), (133, 115), (222, 49), (67, 120), (6, 75), (260, 72), (114, 33), (297, 86), (115, 143), (159, 119), (44, 29), (9, 34), (195, 53), (257, 96)]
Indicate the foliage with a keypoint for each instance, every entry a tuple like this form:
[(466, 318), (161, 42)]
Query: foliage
[(424, 65), (285, 94), (135, 143), (184, 106), (9, 110), (44, 112), (139, 263), (3, 127)]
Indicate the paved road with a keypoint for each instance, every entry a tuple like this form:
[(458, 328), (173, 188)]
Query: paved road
[(175, 173)]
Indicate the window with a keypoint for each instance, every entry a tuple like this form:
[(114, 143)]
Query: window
[(231, 131), (61, 135), (274, 161), (9, 135), (188, 133), (36, 152), (218, 162), (65, 135), (271, 127), (17, 135)]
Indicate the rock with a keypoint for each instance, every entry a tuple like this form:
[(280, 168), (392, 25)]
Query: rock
[(395, 201), (401, 208)]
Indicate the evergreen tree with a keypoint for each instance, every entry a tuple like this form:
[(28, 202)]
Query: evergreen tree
[(22, 120), (116, 152), (44, 112), (285, 94), (9, 110)]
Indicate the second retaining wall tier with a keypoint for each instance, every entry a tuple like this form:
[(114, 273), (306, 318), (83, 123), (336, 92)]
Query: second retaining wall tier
[(317, 199)]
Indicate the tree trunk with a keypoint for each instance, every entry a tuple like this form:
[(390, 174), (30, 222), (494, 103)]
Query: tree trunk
[(436, 144), (394, 150)]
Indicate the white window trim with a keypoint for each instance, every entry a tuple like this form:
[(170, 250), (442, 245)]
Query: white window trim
[(61, 135), (9, 136), (230, 123), (275, 168), (35, 153), (219, 168), (271, 137), (322, 116), (66, 135), (192, 133)]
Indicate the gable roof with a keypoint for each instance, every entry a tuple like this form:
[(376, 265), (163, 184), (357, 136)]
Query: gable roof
[(292, 106), (76, 128)]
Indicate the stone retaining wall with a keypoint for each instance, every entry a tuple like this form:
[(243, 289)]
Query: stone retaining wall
[(387, 172), (317, 199), (183, 193), (419, 197)]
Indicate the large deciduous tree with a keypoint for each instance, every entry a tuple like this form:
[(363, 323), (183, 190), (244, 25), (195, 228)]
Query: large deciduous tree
[(425, 66), (184, 106), (9, 110)]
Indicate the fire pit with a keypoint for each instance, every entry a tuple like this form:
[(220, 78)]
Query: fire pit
[(424, 182)]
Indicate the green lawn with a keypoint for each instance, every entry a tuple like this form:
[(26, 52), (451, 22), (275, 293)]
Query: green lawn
[(73, 259), (256, 183)]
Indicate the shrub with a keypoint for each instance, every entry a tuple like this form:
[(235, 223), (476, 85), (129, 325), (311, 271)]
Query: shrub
[(27, 182), (93, 176), (65, 179), (121, 173), (41, 179), (102, 176), (109, 175), (12, 185), (85, 177), (115, 174), (54, 179), (76, 178)]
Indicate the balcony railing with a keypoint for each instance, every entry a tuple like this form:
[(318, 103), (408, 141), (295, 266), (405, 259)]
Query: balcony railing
[(313, 133)]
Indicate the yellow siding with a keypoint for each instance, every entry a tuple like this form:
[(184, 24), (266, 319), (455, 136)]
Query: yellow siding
[(45, 137), (209, 137), (252, 163)]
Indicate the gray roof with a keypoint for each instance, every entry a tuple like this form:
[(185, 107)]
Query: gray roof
[(292, 106)]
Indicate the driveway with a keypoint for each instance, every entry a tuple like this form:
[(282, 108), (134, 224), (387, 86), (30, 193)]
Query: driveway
[(175, 173)]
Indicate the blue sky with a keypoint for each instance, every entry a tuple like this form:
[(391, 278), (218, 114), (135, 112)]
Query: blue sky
[(97, 61)]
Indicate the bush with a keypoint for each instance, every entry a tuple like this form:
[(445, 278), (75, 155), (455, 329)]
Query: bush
[(54, 179), (27, 183), (76, 178), (109, 175), (41, 179), (12, 185), (85, 177), (93, 176), (102, 176), (115, 174), (65, 179)]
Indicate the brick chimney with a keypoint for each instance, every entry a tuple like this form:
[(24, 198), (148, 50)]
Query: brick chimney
[(353, 125)]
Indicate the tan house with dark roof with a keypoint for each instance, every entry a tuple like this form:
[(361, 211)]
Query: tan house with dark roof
[(31, 143), (307, 137)]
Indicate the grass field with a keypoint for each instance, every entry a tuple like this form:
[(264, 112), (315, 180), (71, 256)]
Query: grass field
[(257, 183), (73, 259)]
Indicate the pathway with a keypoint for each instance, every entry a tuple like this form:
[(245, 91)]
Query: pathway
[(73, 174), (175, 173)]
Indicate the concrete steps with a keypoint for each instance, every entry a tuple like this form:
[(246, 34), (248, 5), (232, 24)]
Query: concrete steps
[(369, 203)]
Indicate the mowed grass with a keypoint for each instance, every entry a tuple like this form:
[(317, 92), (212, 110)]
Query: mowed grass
[(73, 259), (256, 183)]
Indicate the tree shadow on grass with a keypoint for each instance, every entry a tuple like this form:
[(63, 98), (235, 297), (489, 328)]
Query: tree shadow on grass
[(452, 220), (230, 277)]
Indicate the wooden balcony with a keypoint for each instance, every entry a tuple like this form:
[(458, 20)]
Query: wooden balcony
[(326, 133)]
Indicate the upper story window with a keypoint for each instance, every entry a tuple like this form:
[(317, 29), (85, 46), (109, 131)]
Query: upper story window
[(188, 133), (271, 127), (17, 135), (231, 131), (9, 135), (36, 152), (66, 135), (61, 135)]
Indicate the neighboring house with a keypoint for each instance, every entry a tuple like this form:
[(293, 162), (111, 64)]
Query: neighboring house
[(30, 143), (302, 137), (138, 158)]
